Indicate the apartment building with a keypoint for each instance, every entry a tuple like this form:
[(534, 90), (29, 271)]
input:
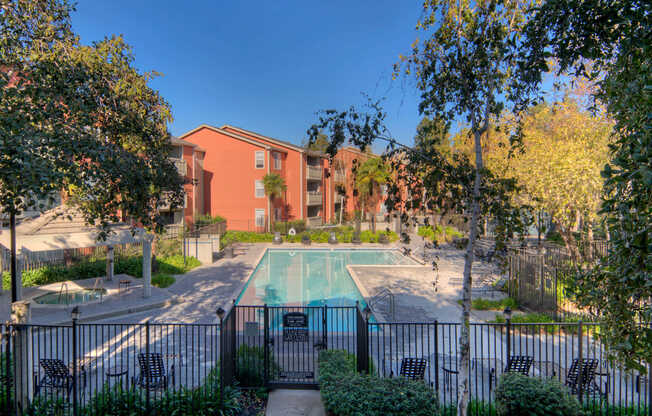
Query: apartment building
[(189, 160), (235, 163)]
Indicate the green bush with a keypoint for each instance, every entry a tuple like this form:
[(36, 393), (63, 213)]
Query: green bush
[(207, 219), (439, 234), (491, 304), (163, 280), (115, 401), (283, 227), (231, 237), (250, 368), (170, 247), (519, 395), (345, 392)]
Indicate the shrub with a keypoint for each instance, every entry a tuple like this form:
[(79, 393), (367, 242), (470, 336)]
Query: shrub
[(518, 395), (231, 237), (445, 234), (115, 401), (491, 304), (345, 392), (207, 219), (163, 280), (167, 248), (284, 226), (251, 366)]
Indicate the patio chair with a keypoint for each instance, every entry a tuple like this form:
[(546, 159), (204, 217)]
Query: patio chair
[(58, 377), (413, 368), (519, 364), (153, 375), (582, 375)]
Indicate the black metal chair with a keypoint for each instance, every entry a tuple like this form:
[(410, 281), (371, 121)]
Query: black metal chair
[(413, 368), (58, 377), (581, 375), (519, 364), (153, 375)]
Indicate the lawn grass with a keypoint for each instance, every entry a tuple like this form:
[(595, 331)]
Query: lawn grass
[(492, 304)]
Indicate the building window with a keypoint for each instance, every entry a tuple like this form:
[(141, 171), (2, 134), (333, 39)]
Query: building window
[(260, 218), (277, 160), (277, 214), (260, 189), (260, 159)]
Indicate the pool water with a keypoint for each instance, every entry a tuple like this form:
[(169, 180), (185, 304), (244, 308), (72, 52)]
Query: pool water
[(311, 277), (71, 298)]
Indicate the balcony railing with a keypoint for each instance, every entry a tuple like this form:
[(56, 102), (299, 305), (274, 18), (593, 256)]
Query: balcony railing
[(314, 173), (339, 177), (181, 165), (314, 221), (313, 198)]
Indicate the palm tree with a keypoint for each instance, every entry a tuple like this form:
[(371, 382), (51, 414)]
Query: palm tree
[(369, 178), (274, 187)]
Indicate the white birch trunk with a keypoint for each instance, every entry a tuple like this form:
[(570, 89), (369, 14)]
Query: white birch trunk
[(464, 340)]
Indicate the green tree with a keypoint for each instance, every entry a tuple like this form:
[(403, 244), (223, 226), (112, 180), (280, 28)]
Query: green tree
[(80, 119), (464, 68), (370, 176), (319, 144), (615, 38), (275, 187)]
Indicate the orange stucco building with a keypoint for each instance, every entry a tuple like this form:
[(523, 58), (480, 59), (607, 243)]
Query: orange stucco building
[(234, 164)]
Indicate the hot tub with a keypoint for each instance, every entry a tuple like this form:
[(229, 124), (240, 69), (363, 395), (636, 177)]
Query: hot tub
[(71, 298)]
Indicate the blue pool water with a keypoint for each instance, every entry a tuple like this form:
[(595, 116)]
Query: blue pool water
[(311, 277)]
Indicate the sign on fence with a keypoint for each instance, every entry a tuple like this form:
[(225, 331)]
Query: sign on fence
[(295, 327)]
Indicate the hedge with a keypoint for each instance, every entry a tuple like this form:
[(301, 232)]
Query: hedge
[(345, 392), (520, 395), (440, 234), (344, 235)]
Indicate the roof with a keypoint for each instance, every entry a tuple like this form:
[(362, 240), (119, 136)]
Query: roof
[(271, 139), (64, 227), (230, 134)]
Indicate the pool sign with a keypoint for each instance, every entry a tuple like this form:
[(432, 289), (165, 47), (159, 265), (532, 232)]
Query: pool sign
[(251, 329), (295, 327)]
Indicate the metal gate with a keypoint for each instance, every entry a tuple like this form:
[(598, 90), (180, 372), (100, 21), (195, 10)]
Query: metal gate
[(278, 346)]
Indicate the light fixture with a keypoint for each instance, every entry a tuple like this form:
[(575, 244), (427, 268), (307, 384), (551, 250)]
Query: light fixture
[(75, 313), (220, 313), (507, 313), (366, 312)]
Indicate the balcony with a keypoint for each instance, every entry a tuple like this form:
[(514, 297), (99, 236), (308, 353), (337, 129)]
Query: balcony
[(181, 165), (314, 222), (164, 203), (314, 173), (313, 198), (339, 177), (339, 199)]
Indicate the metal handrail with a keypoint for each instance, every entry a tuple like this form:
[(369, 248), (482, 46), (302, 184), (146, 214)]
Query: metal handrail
[(385, 293), (63, 285)]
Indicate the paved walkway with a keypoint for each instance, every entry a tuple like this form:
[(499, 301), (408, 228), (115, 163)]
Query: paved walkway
[(294, 403)]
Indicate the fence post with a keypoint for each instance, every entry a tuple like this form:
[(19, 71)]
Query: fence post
[(147, 378), (8, 373), (325, 328), (437, 357), (266, 344), (221, 317), (580, 362), (23, 357), (75, 406), (110, 257), (508, 328)]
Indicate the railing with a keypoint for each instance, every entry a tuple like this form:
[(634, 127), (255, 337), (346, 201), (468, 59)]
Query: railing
[(385, 295), (339, 177), (314, 173), (314, 221), (181, 165), (313, 198), (99, 357)]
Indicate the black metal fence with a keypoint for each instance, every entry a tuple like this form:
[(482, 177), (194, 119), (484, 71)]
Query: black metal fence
[(78, 369)]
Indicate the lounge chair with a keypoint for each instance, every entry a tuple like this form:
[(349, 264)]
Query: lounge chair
[(413, 368), (519, 364), (58, 377), (153, 375), (582, 376)]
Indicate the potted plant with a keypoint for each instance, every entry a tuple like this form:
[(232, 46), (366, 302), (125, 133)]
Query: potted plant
[(305, 239)]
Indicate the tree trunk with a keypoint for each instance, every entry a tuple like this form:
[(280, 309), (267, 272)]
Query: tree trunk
[(341, 209), (464, 340), (588, 252), (569, 242), (373, 222)]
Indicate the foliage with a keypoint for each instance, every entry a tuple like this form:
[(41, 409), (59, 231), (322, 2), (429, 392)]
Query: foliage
[(520, 395), (318, 144), (275, 187), (115, 400), (207, 219), (345, 392), (344, 234), (370, 176), (284, 226), (492, 304), (250, 366), (439, 234), (87, 269), (168, 247), (231, 237), (614, 38)]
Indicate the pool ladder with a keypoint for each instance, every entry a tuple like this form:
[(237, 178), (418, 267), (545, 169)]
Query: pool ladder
[(383, 294), (99, 286), (61, 293)]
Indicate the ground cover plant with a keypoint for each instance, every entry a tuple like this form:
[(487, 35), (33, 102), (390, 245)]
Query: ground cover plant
[(346, 392), (492, 304), (344, 234)]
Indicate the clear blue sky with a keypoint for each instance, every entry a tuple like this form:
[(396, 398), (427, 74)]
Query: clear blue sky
[(267, 66)]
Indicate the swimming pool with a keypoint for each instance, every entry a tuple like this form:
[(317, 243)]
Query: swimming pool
[(311, 277)]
